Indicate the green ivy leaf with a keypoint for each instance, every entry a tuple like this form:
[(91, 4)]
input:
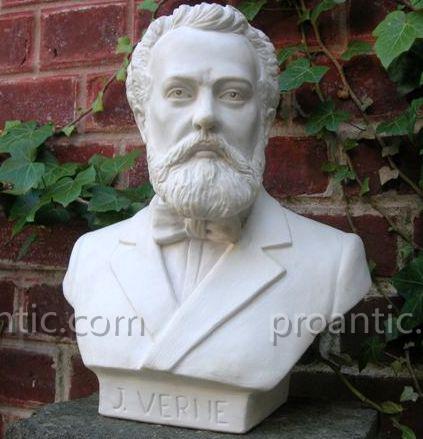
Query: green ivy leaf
[(391, 328), (397, 366), (371, 351), (391, 408), (409, 284), (140, 194), (68, 130), (286, 52), (106, 198), (29, 240), (329, 167), (21, 141), (25, 208), (8, 125), (24, 205), (300, 72), (406, 69), (356, 48), (406, 432), (121, 73), (97, 106), (408, 394), (67, 189), (396, 34), (406, 250), (343, 173), (22, 175), (364, 189), (109, 167), (87, 176), (326, 116), (413, 308), (250, 8), (304, 16), (350, 144), (54, 172), (148, 5), (396, 127), (418, 4), (324, 5), (124, 45)]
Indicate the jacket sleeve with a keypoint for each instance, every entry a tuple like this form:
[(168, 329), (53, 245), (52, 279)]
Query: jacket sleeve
[(353, 280), (71, 276)]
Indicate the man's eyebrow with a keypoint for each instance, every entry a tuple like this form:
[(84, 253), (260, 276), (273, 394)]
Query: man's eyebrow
[(234, 79), (181, 78), (219, 81)]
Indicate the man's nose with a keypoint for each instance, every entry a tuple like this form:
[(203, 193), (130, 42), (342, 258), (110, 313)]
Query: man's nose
[(204, 118)]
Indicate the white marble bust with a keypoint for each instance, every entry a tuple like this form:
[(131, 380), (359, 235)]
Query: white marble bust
[(176, 307)]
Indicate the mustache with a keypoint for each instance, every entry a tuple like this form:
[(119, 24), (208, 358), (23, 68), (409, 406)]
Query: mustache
[(184, 150)]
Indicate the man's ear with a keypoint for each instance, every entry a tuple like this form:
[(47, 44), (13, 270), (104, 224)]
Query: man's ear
[(270, 116)]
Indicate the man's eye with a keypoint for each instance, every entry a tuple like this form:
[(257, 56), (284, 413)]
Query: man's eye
[(232, 96), (179, 93)]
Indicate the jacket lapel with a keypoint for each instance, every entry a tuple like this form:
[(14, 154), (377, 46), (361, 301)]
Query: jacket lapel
[(242, 273), (139, 269)]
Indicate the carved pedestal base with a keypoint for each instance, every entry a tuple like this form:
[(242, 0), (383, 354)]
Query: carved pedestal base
[(162, 398)]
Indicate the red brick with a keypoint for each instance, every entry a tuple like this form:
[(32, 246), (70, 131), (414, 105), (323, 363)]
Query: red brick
[(82, 153), (26, 377), (83, 381), (16, 47), (138, 174), (48, 311), (87, 35), (380, 243), (367, 160), (51, 249), (293, 167), (364, 16), (43, 100), (367, 78), (8, 3), (117, 114), (7, 293), (280, 23)]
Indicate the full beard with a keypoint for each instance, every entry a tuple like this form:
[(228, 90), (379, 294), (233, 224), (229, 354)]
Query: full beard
[(205, 188)]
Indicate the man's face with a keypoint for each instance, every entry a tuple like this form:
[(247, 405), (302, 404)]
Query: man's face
[(202, 121), (203, 81)]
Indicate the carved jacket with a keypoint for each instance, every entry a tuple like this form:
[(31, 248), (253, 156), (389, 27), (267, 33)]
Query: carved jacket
[(284, 264)]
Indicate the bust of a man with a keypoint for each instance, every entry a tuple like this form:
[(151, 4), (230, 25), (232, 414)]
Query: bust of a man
[(175, 307)]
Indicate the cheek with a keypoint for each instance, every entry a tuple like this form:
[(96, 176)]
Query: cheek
[(241, 126)]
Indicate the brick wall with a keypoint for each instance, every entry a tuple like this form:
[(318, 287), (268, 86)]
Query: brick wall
[(54, 57)]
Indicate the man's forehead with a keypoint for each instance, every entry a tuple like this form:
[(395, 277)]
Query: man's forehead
[(192, 52)]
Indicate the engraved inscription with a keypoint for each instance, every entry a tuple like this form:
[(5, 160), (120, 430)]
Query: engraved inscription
[(168, 406), (120, 406)]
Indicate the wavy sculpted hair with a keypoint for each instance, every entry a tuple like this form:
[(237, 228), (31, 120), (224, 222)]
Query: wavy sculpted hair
[(212, 17)]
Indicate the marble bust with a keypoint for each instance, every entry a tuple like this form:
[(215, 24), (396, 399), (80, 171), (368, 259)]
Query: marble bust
[(175, 308)]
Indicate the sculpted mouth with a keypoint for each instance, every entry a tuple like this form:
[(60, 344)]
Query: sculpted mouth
[(206, 150)]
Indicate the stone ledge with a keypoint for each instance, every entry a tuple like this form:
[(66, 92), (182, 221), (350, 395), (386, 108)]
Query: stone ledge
[(298, 419)]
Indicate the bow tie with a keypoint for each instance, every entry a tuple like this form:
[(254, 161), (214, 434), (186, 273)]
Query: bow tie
[(169, 227)]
